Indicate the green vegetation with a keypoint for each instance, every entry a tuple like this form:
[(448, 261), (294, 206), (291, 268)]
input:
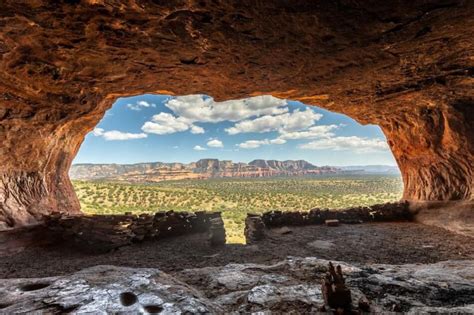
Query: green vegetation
[(237, 197)]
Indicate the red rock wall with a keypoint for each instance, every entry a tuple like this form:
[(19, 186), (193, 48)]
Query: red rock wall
[(404, 65)]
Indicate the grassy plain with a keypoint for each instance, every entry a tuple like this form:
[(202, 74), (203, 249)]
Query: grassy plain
[(237, 197)]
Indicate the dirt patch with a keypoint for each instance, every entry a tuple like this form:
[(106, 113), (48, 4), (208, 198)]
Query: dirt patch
[(391, 243)]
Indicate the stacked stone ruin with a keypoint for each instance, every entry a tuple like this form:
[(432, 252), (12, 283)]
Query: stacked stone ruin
[(101, 233), (255, 225), (386, 212), (217, 235), (254, 228)]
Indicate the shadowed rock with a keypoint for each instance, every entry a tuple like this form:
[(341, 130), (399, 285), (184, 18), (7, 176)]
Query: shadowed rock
[(292, 285), (391, 63)]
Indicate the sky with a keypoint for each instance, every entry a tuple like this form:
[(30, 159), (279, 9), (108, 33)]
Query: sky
[(151, 128)]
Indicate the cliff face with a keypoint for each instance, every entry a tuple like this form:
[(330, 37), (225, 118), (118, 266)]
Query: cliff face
[(404, 65), (204, 168)]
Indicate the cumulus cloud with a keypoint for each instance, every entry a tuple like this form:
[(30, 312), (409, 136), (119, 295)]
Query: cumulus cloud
[(140, 104), (196, 129), (254, 144), (354, 143), (115, 135), (322, 131), (198, 108), (199, 148), (287, 122), (165, 123), (215, 143)]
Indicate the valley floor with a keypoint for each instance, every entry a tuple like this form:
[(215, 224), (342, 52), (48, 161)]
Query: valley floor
[(387, 243)]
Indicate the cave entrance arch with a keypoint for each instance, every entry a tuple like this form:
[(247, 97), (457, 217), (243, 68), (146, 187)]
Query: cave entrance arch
[(191, 153), (394, 64)]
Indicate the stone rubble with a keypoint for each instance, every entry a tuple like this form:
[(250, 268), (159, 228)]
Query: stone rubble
[(290, 286)]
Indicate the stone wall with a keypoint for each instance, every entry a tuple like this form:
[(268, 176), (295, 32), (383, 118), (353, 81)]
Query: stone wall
[(101, 233), (396, 211), (255, 224)]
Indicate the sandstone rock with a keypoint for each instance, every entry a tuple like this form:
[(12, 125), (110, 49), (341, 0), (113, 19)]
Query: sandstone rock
[(332, 222), (292, 285), (320, 244), (102, 233), (283, 230), (254, 228), (391, 63), (102, 290), (217, 236), (204, 168), (392, 211)]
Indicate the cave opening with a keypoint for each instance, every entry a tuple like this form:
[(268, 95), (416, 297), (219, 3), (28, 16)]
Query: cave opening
[(191, 153)]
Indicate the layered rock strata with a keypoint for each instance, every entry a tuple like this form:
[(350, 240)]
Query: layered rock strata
[(202, 169)]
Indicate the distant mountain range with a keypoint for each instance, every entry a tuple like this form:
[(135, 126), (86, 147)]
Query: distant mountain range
[(371, 169), (207, 168)]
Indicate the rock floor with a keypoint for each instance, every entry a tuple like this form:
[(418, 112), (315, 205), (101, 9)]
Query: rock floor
[(385, 243), (289, 286), (404, 267)]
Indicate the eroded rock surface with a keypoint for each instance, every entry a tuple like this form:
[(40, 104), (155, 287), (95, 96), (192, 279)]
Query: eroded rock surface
[(103, 290), (292, 285), (404, 65)]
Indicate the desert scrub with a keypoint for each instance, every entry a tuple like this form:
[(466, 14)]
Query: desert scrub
[(237, 197)]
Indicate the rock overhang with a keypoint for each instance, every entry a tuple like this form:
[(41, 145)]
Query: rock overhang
[(404, 65)]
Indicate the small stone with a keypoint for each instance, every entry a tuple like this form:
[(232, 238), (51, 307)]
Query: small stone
[(283, 230), (320, 244), (332, 222)]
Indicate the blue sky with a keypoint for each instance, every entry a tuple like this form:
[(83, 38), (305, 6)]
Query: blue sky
[(150, 128)]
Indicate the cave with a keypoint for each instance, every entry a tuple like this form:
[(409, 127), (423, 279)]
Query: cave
[(159, 153), (406, 66), (403, 65)]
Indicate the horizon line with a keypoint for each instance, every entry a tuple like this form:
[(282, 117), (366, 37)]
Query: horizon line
[(315, 164)]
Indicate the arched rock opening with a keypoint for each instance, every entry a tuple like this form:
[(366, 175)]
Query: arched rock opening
[(404, 65)]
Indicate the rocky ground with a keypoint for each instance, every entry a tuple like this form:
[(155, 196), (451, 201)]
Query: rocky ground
[(386, 243), (405, 267), (291, 286)]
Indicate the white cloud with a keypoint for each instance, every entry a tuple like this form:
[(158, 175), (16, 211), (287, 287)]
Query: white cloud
[(140, 104), (254, 114), (199, 148), (165, 123), (322, 131), (114, 135), (196, 129), (278, 141), (354, 143), (287, 122), (254, 144), (215, 143), (198, 108)]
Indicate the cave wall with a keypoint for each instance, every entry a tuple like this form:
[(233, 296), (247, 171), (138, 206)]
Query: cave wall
[(404, 65)]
